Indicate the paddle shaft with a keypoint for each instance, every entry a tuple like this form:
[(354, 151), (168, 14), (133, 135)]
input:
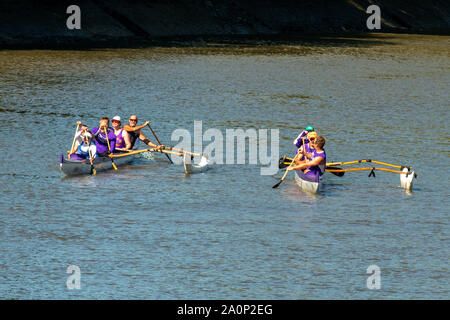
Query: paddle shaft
[(109, 148), (284, 175), (304, 147), (92, 161), (73, 142), (158, 141)]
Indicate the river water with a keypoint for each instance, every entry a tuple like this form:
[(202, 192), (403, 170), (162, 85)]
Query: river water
[(147, 231)]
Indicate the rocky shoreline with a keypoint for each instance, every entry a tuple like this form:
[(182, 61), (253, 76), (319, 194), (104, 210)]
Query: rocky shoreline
[(26, 24)]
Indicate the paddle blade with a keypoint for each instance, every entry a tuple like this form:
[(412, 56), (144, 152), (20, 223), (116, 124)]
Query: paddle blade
[(281, 162), (278, 183), (339, 174), (169, 158)]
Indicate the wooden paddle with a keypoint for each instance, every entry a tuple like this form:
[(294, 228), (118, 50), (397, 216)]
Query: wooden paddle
[(159, 142), (93, 171), (284, 176), (73, 142), (109, 148)]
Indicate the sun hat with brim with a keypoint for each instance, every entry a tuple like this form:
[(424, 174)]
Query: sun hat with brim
[(309, 128), (117, 118)]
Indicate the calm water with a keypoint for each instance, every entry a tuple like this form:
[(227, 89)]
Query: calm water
[(149, 232)]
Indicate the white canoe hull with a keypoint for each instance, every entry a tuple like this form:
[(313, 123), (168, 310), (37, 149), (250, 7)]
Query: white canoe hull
[(305, 184), (81, 167), (190, 167)]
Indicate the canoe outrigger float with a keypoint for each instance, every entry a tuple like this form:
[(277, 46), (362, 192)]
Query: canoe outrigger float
[(406, 174), (190, 167)]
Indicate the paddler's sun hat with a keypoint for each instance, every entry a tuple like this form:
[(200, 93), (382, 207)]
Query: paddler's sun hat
[(87, 135), (309, 128), (117, 118)]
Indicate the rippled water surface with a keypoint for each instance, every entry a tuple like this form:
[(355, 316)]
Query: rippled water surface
[(147, 231)]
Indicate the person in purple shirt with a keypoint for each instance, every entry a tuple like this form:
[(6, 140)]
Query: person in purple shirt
[(303, 136), (105, 143), (307, 149), (315, 167)]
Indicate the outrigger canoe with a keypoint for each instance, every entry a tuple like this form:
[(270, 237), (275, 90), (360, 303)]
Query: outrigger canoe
[(407, 175), (79, 167)]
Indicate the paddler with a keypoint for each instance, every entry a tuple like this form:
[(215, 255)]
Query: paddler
[(79, 136), (87, 150), (135, 133), (105, 143), (316, 166), (303, 135), (307, 148), (123, 142)]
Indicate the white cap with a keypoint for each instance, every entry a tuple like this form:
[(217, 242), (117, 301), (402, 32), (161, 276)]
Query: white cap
[(87, 135), (116, 118)]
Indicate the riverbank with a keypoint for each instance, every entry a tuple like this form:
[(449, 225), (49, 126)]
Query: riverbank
[(27, 25)]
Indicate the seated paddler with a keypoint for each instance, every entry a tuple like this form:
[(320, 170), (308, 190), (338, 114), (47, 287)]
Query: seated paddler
[(86, 150), (104, 138), (135, 133), (315, 167), (306, 149), (123, 142), (303, 136), (79, 136)]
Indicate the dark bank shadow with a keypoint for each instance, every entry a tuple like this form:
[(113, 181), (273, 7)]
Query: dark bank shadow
[(30, 24)]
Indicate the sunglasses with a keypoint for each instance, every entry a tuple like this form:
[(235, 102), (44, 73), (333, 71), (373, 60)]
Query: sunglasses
[(115, 121), (133, 119)]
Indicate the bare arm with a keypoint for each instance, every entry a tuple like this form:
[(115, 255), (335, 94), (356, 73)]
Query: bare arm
[(146, 141), (314, 162), (126, 137), (134, 129)]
